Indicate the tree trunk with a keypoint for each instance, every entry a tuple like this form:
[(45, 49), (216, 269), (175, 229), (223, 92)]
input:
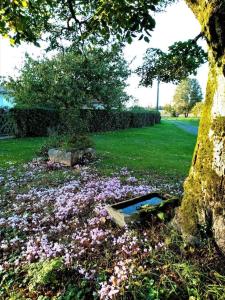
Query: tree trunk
[(203, 204)]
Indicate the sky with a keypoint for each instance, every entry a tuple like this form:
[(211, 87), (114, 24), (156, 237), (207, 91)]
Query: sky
[(176, 24)]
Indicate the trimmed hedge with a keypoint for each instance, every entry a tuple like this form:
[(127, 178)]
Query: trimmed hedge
[(101, 120), (34, 121), (37, 121), (7, 124)]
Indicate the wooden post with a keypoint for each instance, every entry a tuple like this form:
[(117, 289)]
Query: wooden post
[(157, 100)]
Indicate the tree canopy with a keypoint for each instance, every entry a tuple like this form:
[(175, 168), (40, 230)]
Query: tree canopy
[(187, 94), (181, 60), (28, 19), (197, 109), (70, 80)]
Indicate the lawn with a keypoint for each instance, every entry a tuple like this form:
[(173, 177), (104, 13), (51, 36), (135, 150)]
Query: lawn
[(17, 151), (190, 120), (163, 148)]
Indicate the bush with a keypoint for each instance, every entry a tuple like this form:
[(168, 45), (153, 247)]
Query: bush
[(34, 121), (7, 124), (102, 120), (169, 109), (40, 122), (43, 273), (65, 142), (197, 109), (79, 142)]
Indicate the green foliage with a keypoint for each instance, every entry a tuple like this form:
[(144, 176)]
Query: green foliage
[(7, 124), (168, 108), (54, 141), (34, 121), (79, 142), (41, 122), (24, 20), (187, 94), (65, 142), (137, 108), (101, 120), (78, 20), (182, 60), (69, 82), (75, 292), (197, 109), (43, 273)]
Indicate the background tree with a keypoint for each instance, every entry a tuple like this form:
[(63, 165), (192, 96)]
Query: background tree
[(69, 81), (169, 109), (197, 109), (203, 204), (181, 60), (187, 93), (139, 109)]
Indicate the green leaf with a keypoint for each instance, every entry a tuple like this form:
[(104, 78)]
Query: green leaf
[(129, 39), (161, 216)]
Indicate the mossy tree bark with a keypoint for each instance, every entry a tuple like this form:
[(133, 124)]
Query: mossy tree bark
[(203, 205)]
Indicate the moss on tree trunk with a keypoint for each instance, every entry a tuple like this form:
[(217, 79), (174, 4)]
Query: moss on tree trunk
[(203, 204)]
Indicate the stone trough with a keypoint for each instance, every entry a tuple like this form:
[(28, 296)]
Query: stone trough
[(129, 211), (70, 158)]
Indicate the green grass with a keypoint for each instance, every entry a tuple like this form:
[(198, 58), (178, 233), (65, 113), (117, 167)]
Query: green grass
[(18, 151), (163, 148), (190, 120)]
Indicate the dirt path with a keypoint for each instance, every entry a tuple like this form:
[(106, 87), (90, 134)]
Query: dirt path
[(186, 127)]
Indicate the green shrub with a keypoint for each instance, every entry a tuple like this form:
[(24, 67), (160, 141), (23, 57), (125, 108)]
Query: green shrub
[(30, 122), (34, 121), (77, 141), (54, 141), (65, 142), (102, 120), (77, 292), (43, 273)]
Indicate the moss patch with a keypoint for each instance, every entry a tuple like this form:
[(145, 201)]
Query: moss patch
[(202, 182)]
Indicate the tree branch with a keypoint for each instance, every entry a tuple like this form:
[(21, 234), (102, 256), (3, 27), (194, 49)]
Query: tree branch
[(199, 36), (73, 14)]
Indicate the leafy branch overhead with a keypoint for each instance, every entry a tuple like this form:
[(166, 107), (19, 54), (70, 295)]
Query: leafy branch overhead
[(71, 19), (181, 60)]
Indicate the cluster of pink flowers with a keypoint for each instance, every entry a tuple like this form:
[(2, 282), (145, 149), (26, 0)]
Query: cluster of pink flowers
[(123, 271), (70, 221)]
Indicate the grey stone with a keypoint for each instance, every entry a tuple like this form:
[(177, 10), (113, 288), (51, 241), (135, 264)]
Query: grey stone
[(69, 158), (60, 156)]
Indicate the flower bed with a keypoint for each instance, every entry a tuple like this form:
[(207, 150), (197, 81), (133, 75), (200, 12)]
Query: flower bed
[(58, 241)]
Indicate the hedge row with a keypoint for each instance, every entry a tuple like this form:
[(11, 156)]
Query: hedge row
[(100, 120), (37, 122), (34, 121)]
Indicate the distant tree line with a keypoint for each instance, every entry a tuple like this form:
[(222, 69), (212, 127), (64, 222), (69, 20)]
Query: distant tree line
[(188, 94)]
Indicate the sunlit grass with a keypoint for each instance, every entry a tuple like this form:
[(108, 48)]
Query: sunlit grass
[(163, 148)]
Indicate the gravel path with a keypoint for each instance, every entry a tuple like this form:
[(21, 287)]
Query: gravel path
[(186, 127)]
